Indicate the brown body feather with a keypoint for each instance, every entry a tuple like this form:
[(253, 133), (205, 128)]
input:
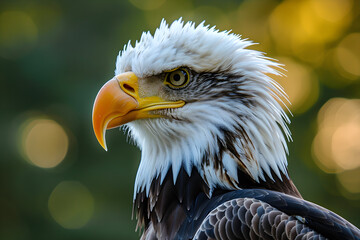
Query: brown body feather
[(168, 204)]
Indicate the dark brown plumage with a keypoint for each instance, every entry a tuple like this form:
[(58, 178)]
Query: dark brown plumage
[(168, 205), (185, 211), (249, 218)]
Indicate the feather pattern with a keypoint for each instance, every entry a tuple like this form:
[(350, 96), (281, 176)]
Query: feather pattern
[(169, 205), (265, 214), (248, 218), (229, 91), (205, 166)]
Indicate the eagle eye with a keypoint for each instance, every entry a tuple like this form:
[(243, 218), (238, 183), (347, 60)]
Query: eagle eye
[(177, 78)]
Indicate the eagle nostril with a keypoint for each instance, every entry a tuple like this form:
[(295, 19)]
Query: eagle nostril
[(128, 88)]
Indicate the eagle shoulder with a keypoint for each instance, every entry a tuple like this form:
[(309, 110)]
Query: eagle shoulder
[(264, 214), (249, 218)]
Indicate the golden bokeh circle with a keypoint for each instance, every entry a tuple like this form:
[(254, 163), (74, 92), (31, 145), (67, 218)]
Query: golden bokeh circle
[(305, 28), (336, 146), (71, 204), (347, 56), (44, 142)]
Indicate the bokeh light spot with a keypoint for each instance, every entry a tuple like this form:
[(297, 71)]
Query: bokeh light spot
[(18, 34), (336, 146), (147, 4), (350, 180), (347, 55), (300, 84), (44, 142), (332, 10), (295, 26), (71, 204)]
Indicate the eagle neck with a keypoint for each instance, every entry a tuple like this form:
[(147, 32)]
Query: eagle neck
[(168, 196), (167, 204)]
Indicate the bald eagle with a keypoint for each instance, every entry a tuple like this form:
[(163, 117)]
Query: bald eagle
[(205, 113)]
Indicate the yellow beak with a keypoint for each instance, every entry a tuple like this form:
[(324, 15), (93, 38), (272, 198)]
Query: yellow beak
[(118, 102)]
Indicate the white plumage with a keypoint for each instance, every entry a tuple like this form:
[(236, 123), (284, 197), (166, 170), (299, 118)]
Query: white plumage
[(205, 49)]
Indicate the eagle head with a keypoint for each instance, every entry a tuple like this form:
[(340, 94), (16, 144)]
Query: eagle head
[(197, 101)]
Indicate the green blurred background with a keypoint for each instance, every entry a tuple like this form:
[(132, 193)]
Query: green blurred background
[(56, 182)]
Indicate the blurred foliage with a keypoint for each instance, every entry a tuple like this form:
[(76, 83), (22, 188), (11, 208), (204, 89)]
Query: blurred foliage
[(55, 180)]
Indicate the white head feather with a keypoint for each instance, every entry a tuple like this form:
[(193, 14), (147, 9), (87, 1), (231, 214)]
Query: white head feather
[(169, 144)]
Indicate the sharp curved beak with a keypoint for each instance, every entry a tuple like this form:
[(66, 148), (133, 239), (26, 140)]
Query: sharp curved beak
[(118, 102)]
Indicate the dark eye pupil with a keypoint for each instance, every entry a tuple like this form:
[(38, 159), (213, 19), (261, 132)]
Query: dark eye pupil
[(176, 77)]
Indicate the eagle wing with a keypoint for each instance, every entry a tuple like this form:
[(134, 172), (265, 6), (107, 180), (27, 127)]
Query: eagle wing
[(264, 214), (249, 218)]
